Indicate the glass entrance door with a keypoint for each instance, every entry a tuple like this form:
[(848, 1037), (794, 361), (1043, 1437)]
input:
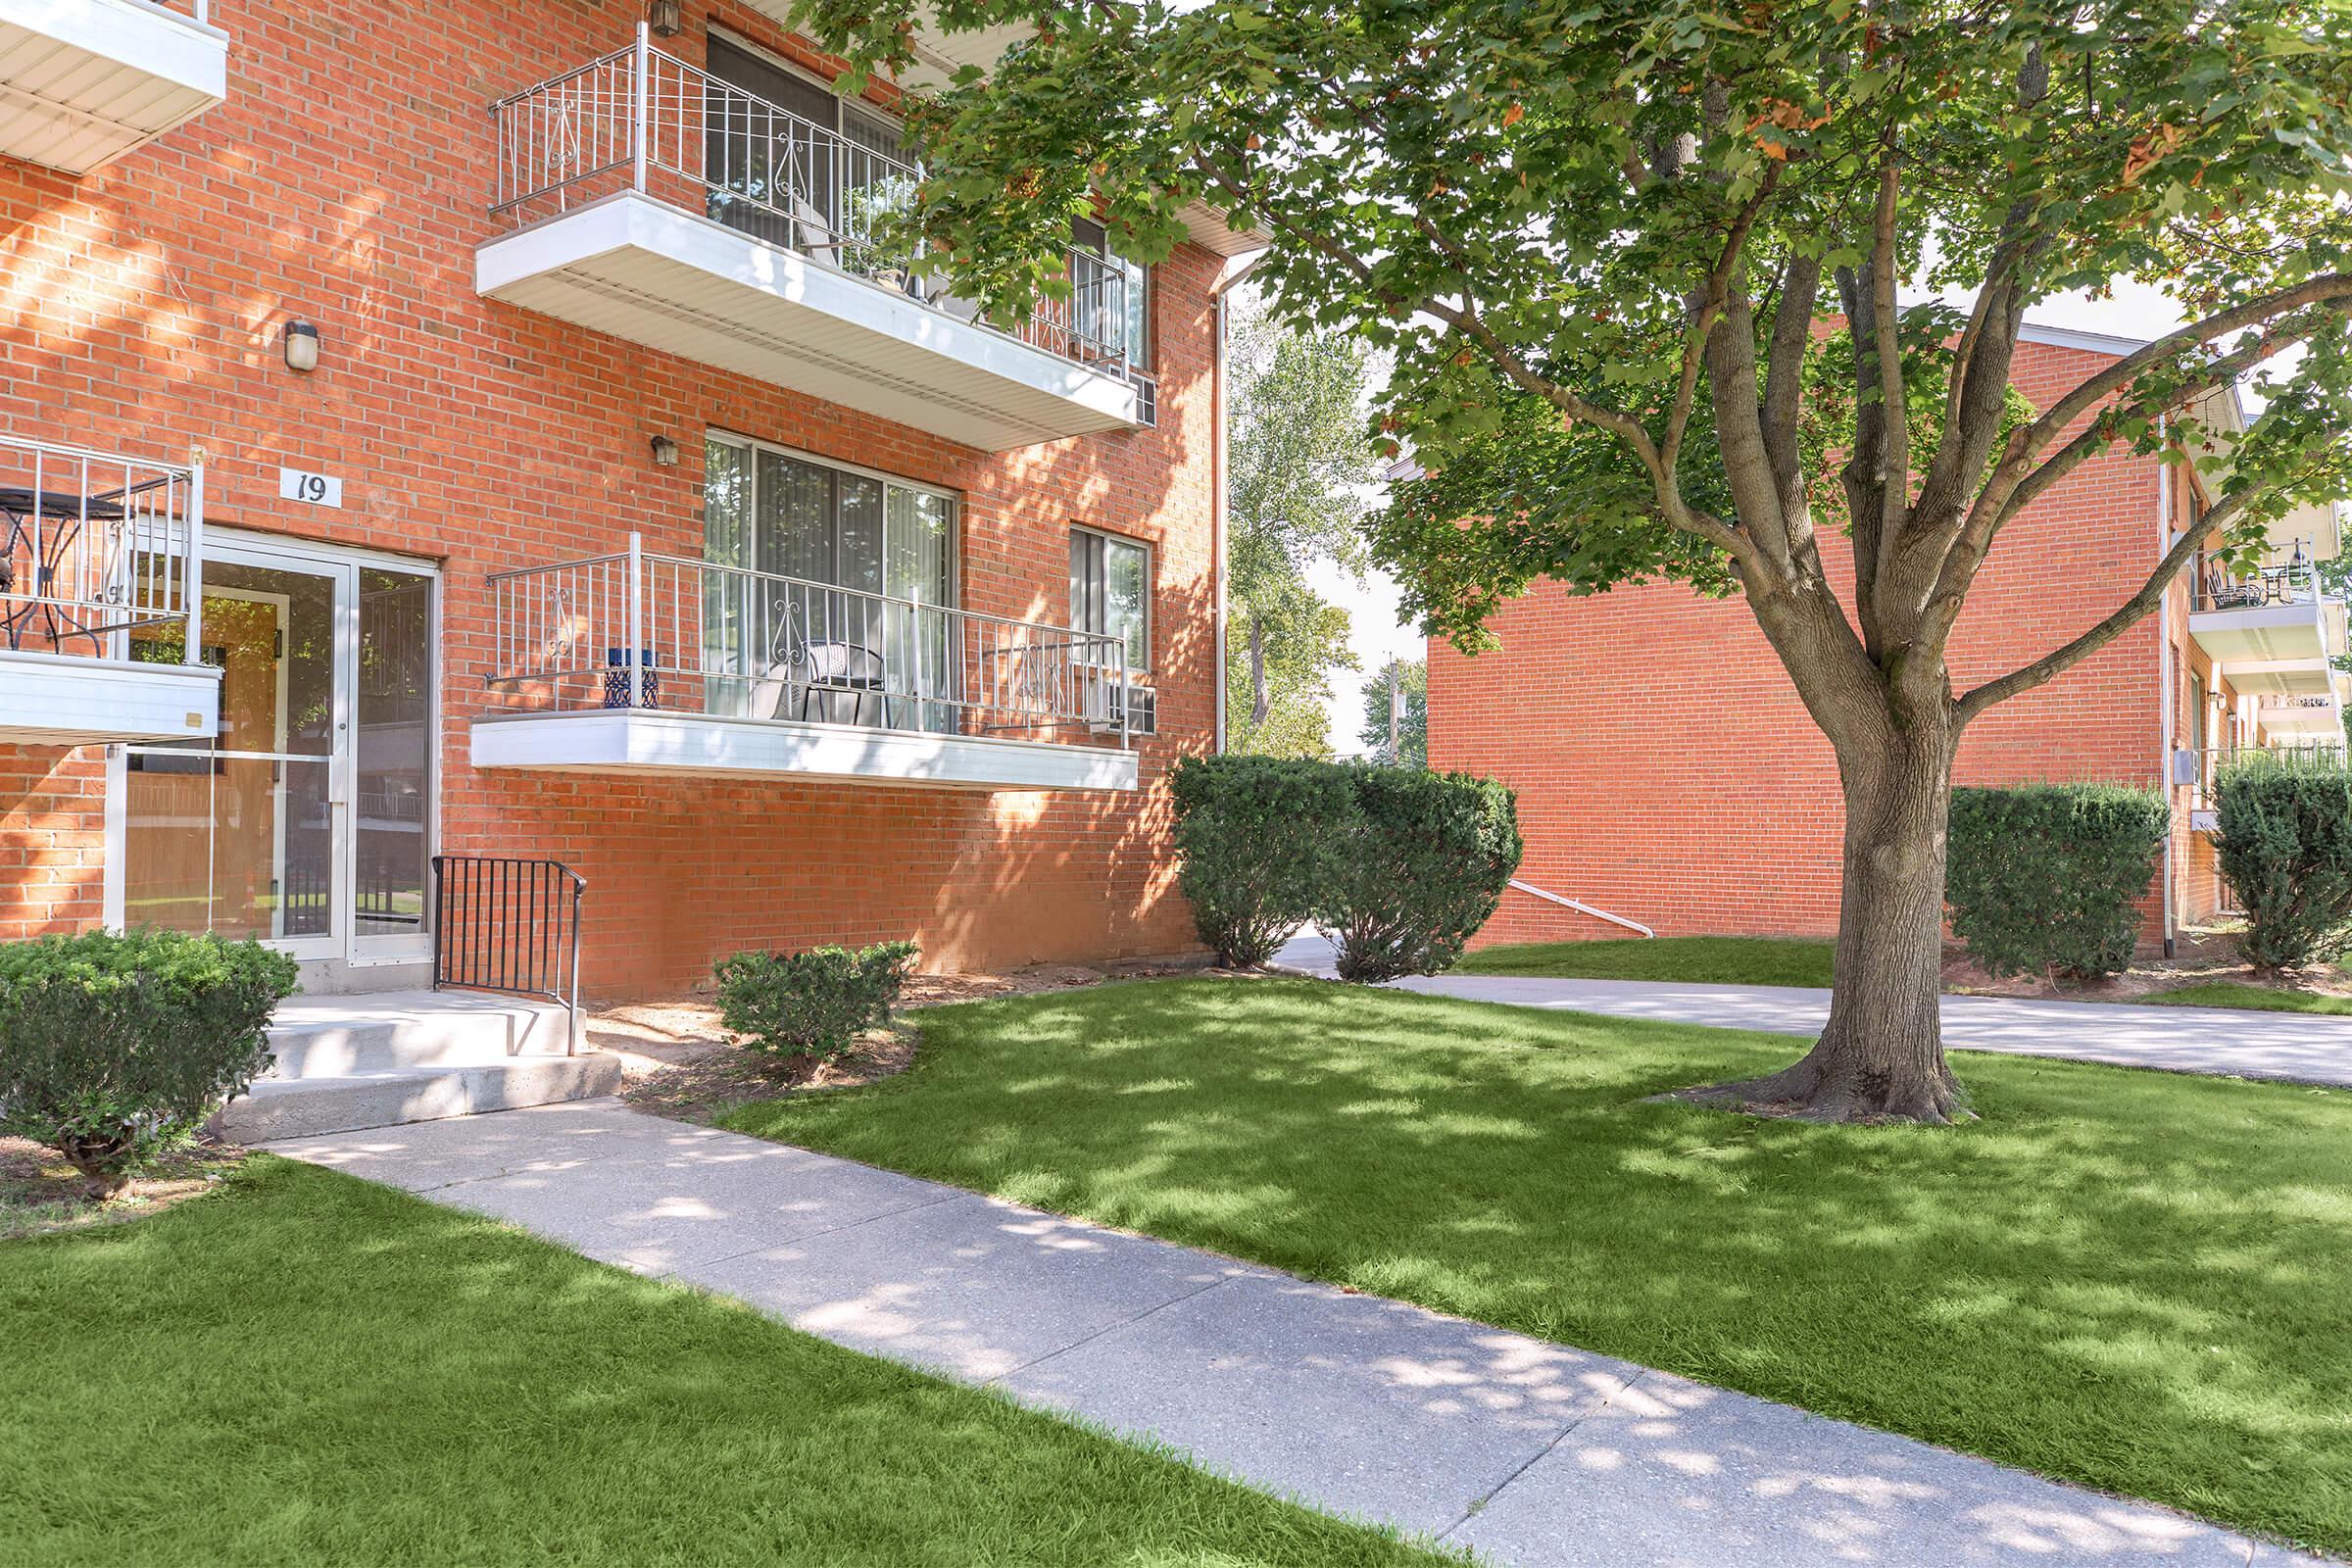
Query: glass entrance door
[(305, 819)]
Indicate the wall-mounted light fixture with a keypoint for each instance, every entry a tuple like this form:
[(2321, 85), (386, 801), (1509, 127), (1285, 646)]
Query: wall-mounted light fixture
[(666, 16), (665, 452), (302, 347)]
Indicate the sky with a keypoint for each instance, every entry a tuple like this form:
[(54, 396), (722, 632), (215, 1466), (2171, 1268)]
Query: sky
[(2134, 311)]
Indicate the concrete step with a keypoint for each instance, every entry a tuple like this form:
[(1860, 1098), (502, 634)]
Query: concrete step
[(303, 1108), (347, 1062)]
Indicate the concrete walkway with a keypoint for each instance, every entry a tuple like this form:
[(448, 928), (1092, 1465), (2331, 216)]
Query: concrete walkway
[(2298, 1046), (1533, 1455)]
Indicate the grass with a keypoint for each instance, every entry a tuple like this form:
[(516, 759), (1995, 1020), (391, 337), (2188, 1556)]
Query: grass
[(1685, 960), (303, 1368), (2262, 999), (2135, 1280)]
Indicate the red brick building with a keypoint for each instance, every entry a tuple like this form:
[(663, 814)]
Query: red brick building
[(493, 427), (1668, 775)]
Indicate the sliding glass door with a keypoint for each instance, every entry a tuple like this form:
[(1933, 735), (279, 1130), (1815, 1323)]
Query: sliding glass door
[(877, 651)]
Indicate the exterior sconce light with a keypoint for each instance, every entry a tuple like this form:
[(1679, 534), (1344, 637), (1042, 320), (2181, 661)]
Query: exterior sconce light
[(666, 16), (665, 452), (302, 347)]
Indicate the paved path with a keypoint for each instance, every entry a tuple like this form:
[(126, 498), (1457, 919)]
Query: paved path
[(1533, 1455), (2299, 1046)]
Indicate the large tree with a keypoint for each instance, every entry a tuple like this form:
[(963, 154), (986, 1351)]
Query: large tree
[(1649, 270), (1396, 699)]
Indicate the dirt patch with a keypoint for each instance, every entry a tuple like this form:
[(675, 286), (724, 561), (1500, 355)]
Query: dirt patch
[(2203, 955), (40, 1193), (677, 1060)]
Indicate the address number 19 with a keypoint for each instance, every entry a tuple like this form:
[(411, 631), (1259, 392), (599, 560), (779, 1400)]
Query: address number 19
[(313, 489)]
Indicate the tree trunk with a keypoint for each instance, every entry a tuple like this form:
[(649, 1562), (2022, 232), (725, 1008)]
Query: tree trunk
[(1262, 695), (1881, 1055)]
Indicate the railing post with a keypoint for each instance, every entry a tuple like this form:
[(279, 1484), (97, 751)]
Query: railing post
[(192, 576), (634, 654), (641, 67), (1126, 700), (571, 1045)]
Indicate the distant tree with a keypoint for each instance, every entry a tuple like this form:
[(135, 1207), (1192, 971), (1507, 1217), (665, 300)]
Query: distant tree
[(1299, 476), (1278, 671), (1605, 243), (1411, 677)]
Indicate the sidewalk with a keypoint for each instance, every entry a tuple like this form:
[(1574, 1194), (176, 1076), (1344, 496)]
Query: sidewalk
[(2298, 1046), (1533, 1455)]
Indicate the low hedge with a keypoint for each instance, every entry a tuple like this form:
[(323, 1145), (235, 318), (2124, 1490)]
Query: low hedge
[(2041, 878), (2285, 845), (116, 1048), (1400, 865), (796, 1011), (1420, 864), (1255, 842)]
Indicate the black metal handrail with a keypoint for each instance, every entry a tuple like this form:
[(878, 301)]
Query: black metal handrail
[(509, 925)]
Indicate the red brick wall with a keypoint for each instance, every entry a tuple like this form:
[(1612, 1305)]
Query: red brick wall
[(1668, 773), (345, 182)]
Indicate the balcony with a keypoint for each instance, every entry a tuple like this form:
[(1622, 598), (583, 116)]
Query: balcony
[(84, 81), (2271, 625), (100, 599), (2201, 771), (651, 200), (748, 674)]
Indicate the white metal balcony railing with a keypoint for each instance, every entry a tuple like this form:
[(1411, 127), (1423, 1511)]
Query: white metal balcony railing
[(643, 120), (93, 545), (731, 643), (2218, 586), (2200, 768)]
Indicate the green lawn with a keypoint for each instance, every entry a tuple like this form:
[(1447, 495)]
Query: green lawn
[(2262, 999), (1688, 961), (2138, 1280), (303, 1368)]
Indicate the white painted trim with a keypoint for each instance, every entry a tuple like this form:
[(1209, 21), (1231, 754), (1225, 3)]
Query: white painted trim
[(67, 700), (169, 49), (649, 741), (2067, 337)]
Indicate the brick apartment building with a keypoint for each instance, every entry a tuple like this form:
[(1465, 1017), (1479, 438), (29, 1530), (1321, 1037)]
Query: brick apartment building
[(500, 427), (1668, 775)]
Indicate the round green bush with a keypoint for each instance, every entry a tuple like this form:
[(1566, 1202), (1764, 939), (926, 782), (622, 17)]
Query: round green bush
[(2043, 878), (114, 1047)]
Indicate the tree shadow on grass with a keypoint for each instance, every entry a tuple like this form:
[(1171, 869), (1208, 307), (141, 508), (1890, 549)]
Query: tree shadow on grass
[(2135, 1280)]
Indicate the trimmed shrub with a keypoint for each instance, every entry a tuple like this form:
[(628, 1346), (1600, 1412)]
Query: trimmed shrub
[(1256, 836), (114, 1048), (1417, 867), (2041, 878), (799, 1011), (2286, 845)]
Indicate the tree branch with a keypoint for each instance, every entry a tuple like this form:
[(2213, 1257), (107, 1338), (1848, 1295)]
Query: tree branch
[(2151, 593)]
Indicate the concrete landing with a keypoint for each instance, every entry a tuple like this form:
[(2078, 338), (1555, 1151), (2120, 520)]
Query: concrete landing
[(346, 1062)]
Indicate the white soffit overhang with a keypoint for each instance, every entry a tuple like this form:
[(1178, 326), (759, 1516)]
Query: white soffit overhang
[(84, 81)]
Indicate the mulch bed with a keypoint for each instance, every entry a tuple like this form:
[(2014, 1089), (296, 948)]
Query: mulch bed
[(40, 1193)]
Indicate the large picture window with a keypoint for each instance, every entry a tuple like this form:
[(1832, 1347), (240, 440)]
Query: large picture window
[(796, 528), (1110, 592)]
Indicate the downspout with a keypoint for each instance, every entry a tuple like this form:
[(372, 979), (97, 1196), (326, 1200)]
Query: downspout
[(2168, 736)]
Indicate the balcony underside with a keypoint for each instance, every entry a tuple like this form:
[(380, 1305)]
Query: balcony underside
[(58, 700), (84, 81), (2271, 650), (639, 741), (677, 282), (2319, 721)]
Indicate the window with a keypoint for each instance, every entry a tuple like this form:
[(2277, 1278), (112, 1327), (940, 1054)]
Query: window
[(1110, 592), (1111, 297)]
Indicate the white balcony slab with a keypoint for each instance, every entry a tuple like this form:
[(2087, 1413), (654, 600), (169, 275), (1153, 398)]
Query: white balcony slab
[(652, 742), (674, 281), (84, 81), (2271, 649), (62, 699)]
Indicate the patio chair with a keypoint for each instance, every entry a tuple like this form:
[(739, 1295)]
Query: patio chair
[(823, 680)]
